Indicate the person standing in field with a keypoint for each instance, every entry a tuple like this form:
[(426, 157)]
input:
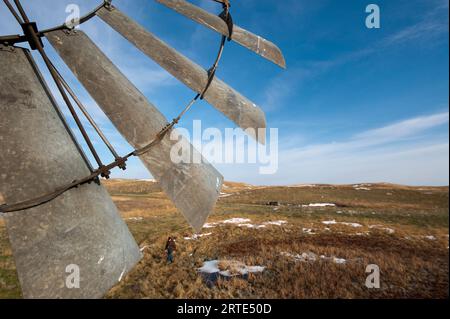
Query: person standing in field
[(170, 248)]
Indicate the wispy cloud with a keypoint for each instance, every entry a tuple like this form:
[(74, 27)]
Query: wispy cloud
[(396, 153), (393, 133)]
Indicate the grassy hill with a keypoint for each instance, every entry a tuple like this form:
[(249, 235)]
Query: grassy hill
[(314, 241)]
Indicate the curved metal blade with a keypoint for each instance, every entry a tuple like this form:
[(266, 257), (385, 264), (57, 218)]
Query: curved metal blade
[(193, 187), (236, 107), (80, 229), (251, 41)]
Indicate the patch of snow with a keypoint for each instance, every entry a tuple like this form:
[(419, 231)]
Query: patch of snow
[(336, 260), (245, 222), (355, 225), (212, 266), (276, 223), (430, 237), (254, 269), (223, 195), (137, 219), (308, 231), (236, 221), (339, 260), (197, 236), (304, 257), (252, 226), (333, 222), (311, 257), (362, 185)]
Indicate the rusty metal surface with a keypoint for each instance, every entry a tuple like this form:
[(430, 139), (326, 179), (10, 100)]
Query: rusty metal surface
[(194, 188), (235, 106), (251, 41), (81, 227)]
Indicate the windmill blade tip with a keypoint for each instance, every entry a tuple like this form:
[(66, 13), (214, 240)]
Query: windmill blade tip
[(280, 60)]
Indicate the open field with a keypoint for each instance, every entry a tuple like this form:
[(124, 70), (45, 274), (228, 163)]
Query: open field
[(308, 249)]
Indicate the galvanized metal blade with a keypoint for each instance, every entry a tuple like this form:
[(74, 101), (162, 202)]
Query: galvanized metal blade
[(78, 235), (236, 107), (251, 41), (193, 186)]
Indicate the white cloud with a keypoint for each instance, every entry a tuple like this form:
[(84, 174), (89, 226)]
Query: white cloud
[(396, 153)]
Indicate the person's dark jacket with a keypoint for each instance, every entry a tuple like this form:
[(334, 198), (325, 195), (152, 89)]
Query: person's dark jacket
[(171, 245)]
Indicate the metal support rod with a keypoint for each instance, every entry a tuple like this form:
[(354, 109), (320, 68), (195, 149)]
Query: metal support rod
[(14, 13), (21, 11), (57, 81), (86, 114)]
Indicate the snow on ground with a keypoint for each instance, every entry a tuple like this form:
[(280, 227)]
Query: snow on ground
[(381, 227), (362, 185), (308, 231), (236, 221), (276, 223), (223, 195), (232, 268), (355, 225), (311, 257), (333, 222), (245, 222), (320, 205), (252, 226), (430, 237), (197, 236), (337, 260), (304, 257), (363, 234), (136, 219)]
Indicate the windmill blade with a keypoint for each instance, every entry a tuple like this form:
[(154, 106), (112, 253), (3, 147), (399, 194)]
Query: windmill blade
[(251, 41), (81, 230), (193, 187), (231, 103)]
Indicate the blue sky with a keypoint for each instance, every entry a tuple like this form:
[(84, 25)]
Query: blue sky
[(355, 104)]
